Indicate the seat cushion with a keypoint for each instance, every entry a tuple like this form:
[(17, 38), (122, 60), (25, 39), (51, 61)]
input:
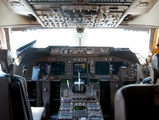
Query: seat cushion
[(37, 112)]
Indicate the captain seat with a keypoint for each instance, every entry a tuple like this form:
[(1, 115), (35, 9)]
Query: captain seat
[(14, 101), (137, 102)]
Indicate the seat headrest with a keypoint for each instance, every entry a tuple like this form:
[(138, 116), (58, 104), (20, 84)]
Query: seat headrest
[(6, 60), (137, 102)]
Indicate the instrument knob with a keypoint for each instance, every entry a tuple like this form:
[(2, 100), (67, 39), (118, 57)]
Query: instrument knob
[(83, 118), (44, 89), (92, 114)]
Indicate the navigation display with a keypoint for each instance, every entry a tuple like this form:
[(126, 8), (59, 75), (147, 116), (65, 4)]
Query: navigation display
[(80, 67), (102, 68), (43, 67), (116, 66), (58, 68)]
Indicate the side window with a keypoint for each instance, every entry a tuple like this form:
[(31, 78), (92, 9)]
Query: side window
[(3, 43)]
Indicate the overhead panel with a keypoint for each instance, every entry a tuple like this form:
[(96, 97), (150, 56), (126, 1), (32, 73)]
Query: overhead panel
[(80, 13), (126, 2)]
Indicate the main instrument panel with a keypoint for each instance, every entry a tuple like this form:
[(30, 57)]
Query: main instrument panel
[(80, 71), (89, 67), (91, 62), (98, 68)]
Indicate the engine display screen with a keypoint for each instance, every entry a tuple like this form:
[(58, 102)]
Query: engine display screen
[(84, 80), (80, 107), (93, 80), (43, 67), (58, 68), (80, 67), (102, 68), (116, 66), (65, 80)]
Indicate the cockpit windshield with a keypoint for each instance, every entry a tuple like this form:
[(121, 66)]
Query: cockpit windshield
[(136, 41)]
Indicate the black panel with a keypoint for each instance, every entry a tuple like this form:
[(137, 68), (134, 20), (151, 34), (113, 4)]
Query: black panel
[(55, 97), (105, 98), (116, 66), (43, 67), (32, 93), (79, 67), (102, 68), (58, 68)]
